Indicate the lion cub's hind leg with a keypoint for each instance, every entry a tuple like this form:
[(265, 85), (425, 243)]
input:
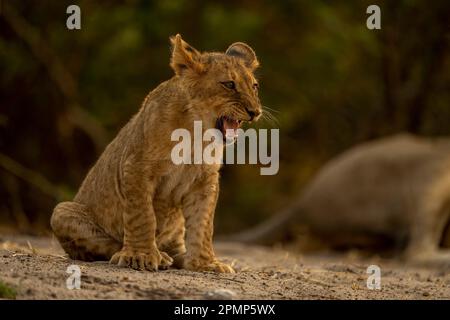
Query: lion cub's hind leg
[(79, 236)]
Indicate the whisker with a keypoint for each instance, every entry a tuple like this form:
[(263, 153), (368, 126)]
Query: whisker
[(273, 110), (269, 114), (270, 118)]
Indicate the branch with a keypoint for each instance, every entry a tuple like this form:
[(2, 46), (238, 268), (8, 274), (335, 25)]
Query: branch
[(33, 178)]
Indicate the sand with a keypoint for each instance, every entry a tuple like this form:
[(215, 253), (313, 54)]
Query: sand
[(35, 267)]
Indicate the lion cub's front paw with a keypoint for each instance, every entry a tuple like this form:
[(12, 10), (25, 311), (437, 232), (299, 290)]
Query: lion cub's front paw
[(142, 261), (214, 266)]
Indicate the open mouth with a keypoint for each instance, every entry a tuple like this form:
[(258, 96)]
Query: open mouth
[(228, 126)]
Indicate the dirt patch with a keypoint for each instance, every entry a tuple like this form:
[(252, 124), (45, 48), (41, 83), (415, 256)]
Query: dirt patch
[(35, 268)]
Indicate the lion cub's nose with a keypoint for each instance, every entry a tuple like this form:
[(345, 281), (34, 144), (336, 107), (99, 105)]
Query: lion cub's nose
[(253, 113)]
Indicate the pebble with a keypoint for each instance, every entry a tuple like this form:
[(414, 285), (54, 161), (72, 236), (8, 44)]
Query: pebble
[(220, 294)]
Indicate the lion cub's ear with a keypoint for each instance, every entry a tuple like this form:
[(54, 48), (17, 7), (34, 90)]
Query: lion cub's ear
[(245, 52), (184, 56)]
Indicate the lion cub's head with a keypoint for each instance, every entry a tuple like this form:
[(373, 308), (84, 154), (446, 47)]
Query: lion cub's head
[(223, 82)]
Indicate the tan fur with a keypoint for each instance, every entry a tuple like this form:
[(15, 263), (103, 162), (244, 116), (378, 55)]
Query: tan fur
[(136, 207), (395, 188)]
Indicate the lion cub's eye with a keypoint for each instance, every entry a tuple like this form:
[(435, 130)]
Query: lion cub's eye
[(229, 84)]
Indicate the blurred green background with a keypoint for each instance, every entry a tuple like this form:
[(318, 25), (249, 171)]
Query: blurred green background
[(333, 83)]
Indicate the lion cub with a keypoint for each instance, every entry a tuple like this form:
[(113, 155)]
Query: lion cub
[(135, 206)]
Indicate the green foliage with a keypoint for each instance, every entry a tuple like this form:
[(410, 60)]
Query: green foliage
[(7, 292)]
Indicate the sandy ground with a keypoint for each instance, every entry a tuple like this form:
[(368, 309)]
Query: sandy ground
[(36, 269)]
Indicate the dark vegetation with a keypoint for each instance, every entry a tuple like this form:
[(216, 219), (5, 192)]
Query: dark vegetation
[(331, 82), (7, 292)]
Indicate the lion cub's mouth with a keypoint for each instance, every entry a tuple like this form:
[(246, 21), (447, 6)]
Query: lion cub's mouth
[(228, 126)]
